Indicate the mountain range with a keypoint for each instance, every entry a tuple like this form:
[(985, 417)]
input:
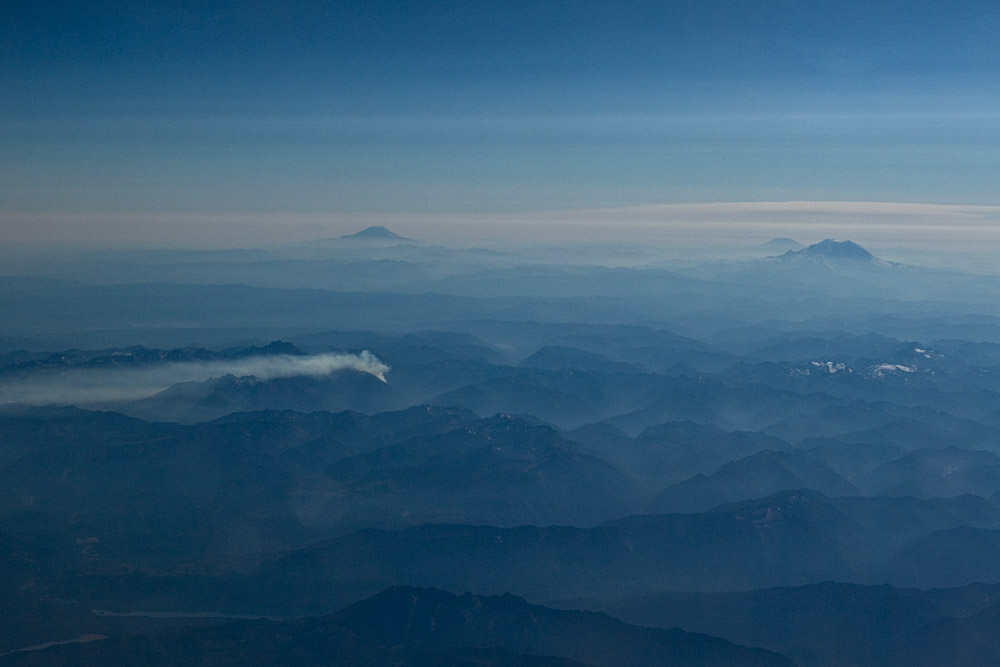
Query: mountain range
[(385, 451)]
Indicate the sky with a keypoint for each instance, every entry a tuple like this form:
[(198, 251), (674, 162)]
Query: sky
[(245, 122)]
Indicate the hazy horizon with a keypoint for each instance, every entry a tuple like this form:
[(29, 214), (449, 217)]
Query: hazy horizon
[(230, 126)]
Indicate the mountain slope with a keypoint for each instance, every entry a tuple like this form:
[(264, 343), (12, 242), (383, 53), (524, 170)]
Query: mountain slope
[(762, 474), (375, 233), (831, 250), (413, 626), (828, 623)]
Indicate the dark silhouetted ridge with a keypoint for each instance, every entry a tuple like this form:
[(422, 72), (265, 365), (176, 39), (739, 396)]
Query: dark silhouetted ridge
[(432, 619), (420, 626)]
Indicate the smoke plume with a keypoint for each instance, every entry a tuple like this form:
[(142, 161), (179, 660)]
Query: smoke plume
[(90, 386)]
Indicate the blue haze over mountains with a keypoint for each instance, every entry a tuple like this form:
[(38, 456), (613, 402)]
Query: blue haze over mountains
[(378, 450)]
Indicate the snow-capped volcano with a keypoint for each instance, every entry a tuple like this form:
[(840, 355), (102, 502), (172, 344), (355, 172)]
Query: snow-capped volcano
[(832, 250)]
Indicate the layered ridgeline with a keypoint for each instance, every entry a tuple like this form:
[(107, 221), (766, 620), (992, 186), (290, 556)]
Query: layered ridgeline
[(797, 449), (231, 493), (421, 627), (220, 297)]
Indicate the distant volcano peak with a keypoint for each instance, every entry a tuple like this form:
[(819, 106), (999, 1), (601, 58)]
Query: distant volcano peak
[(781, 244), (376, 233), (830, 249)]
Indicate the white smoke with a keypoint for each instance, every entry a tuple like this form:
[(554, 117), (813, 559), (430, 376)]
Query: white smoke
[(98, 386), (285, 365)]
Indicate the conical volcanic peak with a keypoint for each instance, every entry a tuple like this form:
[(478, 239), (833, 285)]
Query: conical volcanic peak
[(834, 250), (780, 245), (375, 233)]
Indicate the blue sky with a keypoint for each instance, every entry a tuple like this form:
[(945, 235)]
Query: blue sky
[(485, 108)]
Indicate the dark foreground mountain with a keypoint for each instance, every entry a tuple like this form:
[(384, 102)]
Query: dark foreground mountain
[(829, 623), (414, 626)]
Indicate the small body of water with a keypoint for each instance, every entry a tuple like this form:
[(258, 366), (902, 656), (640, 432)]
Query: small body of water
[(82, 639), (181, 614), (90, 637)]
